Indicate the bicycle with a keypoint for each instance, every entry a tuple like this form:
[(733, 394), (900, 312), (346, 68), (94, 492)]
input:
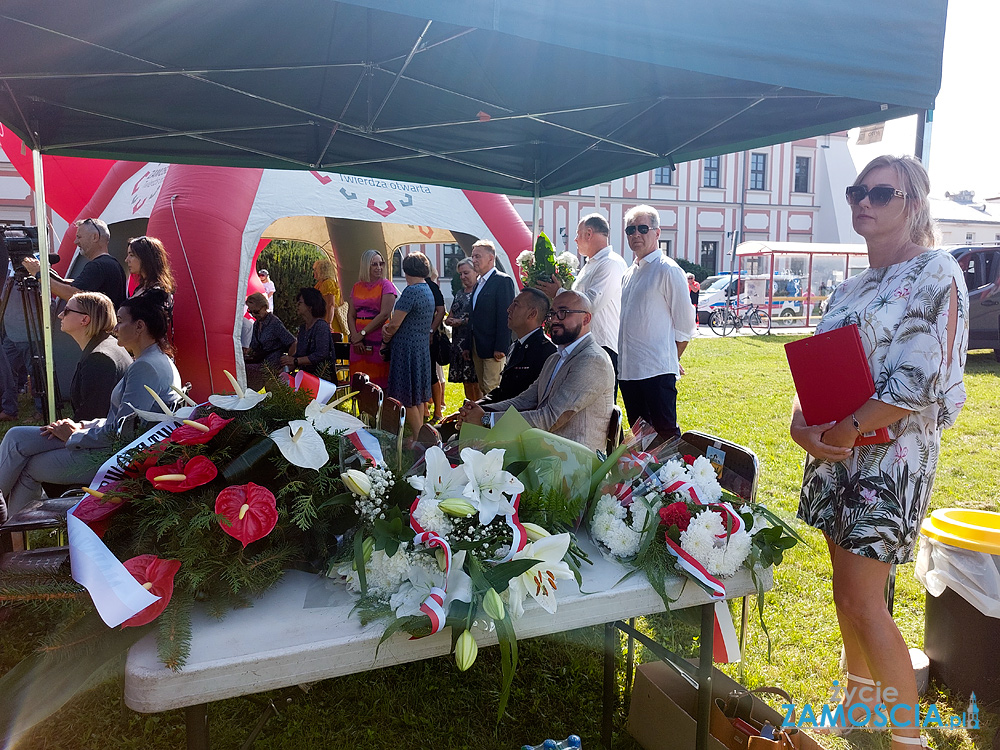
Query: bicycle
[(734, 316)]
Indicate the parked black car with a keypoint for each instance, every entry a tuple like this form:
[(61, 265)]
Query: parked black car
[(981, 264)]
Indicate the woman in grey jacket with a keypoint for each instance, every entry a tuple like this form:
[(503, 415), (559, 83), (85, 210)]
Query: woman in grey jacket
[(68, 452)]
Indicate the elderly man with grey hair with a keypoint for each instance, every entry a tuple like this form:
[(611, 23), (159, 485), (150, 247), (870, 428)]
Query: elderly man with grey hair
[(573, 395), (657, 323), (101, 274)]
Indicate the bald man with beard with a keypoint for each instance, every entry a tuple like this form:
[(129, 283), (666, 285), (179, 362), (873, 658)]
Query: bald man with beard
[(574, 395)]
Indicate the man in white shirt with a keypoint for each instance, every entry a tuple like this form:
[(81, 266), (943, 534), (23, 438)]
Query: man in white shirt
[(657, 321), (600, 280)]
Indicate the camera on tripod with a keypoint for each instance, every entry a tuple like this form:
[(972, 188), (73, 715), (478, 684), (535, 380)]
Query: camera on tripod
[(16, 244)]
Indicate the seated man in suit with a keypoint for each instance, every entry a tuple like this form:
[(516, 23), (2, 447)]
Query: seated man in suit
[(574, 394), (526, 355), (530, 349)]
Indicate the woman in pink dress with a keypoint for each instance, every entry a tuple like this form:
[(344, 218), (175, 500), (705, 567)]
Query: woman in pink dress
[(372, 298)]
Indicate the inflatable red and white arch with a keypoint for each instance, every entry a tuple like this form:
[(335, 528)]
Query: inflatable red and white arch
[(212, 220)]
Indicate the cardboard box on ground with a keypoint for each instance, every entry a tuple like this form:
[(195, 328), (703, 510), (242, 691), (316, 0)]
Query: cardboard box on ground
[(661, 715)]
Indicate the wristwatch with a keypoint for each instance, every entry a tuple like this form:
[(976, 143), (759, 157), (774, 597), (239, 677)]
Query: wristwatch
[(487, 420)]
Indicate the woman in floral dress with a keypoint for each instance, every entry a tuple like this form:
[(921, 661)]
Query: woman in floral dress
[(911, 308)]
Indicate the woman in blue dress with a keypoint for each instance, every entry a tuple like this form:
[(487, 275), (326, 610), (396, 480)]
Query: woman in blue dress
[(408, 329)]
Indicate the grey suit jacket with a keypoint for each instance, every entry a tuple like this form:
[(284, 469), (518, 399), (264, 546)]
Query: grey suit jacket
[(577, 404)]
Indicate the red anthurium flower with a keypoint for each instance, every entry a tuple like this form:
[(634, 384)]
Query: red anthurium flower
[(187, 434), (181, 476), (96, 511), (148, 458), (156, 575), (675, 514), (250, 510)]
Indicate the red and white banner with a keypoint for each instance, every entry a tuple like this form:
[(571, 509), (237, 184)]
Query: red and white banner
[(725, 644)]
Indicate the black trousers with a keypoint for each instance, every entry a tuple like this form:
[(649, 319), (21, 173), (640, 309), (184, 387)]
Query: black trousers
[(655, 401)]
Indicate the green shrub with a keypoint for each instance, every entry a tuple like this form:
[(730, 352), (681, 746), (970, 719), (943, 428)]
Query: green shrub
[(700, 272), (290, 266)]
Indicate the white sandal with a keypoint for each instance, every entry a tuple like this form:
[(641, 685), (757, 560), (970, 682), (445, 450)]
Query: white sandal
[(915, 741)]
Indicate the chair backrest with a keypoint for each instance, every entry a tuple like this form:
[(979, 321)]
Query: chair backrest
[(391, 420), (429, 436), (614, 429), (358, 379), (370, 400), (740, 465)]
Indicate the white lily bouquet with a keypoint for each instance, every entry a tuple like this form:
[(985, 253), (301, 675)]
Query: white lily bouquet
[(460, 556)]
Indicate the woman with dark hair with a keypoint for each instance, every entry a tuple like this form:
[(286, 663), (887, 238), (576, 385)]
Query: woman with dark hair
[(409, 328), (146, 258), (313, 345), (911, 309), (89, 318), (69, 452)]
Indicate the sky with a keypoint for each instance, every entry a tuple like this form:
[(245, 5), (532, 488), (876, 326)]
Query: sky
[(965, 133)]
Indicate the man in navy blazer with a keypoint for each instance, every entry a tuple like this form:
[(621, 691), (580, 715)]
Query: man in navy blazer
[(490, 300), (531, 346)]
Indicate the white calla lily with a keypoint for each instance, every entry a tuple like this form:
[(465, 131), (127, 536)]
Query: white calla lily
[(440, 480), (331, 420), (242, 400), (301, 445), (490, 488), (164, 414), (539, 581)]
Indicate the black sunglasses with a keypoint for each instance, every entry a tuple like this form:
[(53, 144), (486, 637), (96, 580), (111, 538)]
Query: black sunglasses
[(71, 310), (877, 196), (642, 229), (561, 314)]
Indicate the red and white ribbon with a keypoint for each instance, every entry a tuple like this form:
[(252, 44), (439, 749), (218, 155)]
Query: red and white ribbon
[(733, 521), (321, 390), (368, 446), (633, 460), (520, 538), (725, 644), (696, 570), (433, 605)]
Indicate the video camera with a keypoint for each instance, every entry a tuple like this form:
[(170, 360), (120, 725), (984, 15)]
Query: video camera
[(18, 243)]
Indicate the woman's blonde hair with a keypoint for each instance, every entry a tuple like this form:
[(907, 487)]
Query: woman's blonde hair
[(101, 310), (917, 186), (365, 272), (326, 269)]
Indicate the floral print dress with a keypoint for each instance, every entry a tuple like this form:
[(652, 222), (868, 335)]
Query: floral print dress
[(872, 503)]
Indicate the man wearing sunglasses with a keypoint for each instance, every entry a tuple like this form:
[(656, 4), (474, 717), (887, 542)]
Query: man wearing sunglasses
[(657, 322), (101, 274), (600, 279), (574, 394)]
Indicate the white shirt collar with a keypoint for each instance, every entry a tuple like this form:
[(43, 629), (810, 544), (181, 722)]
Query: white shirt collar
[(566, 349)]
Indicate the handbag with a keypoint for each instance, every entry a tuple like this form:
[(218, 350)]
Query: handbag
[(440, 346), (737, 719)]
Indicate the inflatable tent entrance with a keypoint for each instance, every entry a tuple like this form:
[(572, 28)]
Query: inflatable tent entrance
[(214, 220)]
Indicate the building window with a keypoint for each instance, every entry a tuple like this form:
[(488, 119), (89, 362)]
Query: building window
[(970, 237), (665, 247), (452, 254), (758, 171), (710, 170), (709, 253), (802, 174), (663, 176)]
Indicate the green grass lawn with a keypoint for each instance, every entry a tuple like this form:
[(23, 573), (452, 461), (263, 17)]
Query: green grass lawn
[(736, 388)]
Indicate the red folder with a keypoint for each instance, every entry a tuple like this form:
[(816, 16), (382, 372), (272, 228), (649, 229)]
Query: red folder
[(832, 378)]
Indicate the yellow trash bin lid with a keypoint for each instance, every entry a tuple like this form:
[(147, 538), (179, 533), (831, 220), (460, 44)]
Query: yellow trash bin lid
[(977, 530)]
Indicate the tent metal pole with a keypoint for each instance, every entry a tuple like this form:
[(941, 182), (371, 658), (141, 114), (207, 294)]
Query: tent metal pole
[(45, 289), (535, 230)]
